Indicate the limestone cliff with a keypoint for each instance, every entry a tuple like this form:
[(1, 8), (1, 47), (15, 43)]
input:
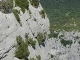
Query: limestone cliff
[(32, 24), (32, 21)]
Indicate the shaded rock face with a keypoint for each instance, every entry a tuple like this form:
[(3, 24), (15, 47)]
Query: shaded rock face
[(10, 29)]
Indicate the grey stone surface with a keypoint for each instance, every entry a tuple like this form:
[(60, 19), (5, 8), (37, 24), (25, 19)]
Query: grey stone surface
[(10, 28)]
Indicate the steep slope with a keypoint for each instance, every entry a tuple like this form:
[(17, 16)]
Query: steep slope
[(63, 14), (32, 24)]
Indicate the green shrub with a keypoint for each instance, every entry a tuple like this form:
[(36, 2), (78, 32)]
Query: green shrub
[(62, 13), (42, 13), (23, 4), (6, 7), (66, 42), (32, 59), (35, 3), (30, 40), (23, 10), (34, 19), (41, 38), (52, 56), (55, 35), (26, 36), (17, 16), (38, 57), (22, 52)]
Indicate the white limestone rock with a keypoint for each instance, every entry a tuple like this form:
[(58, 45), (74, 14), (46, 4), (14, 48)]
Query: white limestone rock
[(10, 29)]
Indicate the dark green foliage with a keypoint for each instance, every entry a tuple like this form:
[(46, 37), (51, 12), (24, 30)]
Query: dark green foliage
[(35, 3), (32, 59), (16, 15), (16, 12), (52, 56), (31, 42), (34, 19), (23, 10), (42, 13), (6, 7), (55, 35), (62, 13), (26, 35), (22, 51), (41, 38), (23, 4), (38, 57), (66, 42)]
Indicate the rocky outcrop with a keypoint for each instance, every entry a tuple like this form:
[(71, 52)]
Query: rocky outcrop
[(59, 51), (32, 24), (10, 29)]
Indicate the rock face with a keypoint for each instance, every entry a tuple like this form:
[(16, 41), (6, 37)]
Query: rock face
[(59, 51), (32, 24), (10, 29)]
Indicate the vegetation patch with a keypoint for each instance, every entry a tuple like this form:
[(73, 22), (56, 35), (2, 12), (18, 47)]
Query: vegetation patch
[(38, 57), (32, 58), (63, 14), (41, 38), (52, 56), (16, 12), (22, 51), (55, 35), (6, 7), (23, 4), (35, 3), (66, 42), (32, 42), (34, 19), (42, 13)]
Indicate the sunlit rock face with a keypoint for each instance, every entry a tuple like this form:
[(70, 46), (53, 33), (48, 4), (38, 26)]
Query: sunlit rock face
[(65, 46), (10, 29)]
